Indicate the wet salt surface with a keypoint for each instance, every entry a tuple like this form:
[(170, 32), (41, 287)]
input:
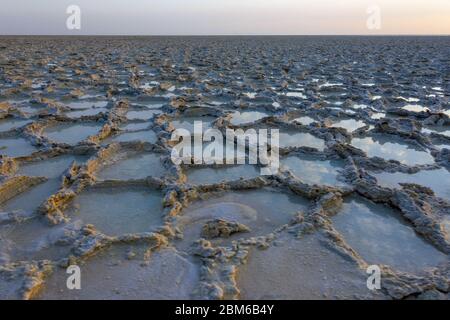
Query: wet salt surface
[(383, 148), (381, 236), (138, 211), (142, 114), (84, 113), (189, 122), (302, 269), (32, 239), (314, 171), (289, 139), (436, 180), (86, 104), (134, 167), (135, 126), (350, 125), (253, 208), (145, 136), (51, 168), (437, 130), (71, 133), (216, 175), (9, 124), (166, 275), (239, 118), (249, 86), (31, 199), (16, 147), (306, 121), (415, 108), (378, 115)]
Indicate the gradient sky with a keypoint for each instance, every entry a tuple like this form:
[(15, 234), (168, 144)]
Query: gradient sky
[(204, 17)]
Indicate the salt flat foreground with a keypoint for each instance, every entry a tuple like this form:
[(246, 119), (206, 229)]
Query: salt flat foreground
[(87, 177)]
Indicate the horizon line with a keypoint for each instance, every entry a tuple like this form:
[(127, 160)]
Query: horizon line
[(227, 35)]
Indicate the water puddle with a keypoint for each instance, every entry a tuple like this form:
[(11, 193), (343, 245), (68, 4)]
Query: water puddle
[(32, 198), (312, 171), (9, 124), (145, 136), (300, 140), (306, 121), (51, 168), (446, 226), (85, 113), (137, 166), (117, 211), (350, 125), (71, 134), (16, 147), (382, 148), (216, 175), (436, 180), (135, 126), (252, 208), (245, 117), (31, 240), (380, 236), (378, 115), (438, 130), (301, 269), (142, 114), (86, 104), (188, 123), (415, 108), (122, 272), (296, 94)]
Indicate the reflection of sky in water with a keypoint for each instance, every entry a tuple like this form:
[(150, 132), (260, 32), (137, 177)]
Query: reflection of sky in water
[(437, 130), (391, 150), (296, 94), (378, 115), (415, 108), (246, 117), (86, 104), (204, 175), (300, 140), (446, 226), (442, 146), (379, 235), (16, 147), (350, 124), (314, 171), (306, 121), (146, 136), (88, 112), (188, 123), (437, 180), (71, 134), (10, 124), (142, 114)]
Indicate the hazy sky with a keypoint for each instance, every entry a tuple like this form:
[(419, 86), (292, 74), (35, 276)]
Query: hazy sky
[(168, 17)]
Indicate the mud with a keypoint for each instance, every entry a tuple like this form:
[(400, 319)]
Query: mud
[(86, 176)]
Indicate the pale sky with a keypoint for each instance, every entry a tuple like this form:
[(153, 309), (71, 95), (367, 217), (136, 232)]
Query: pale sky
[(230, 17)]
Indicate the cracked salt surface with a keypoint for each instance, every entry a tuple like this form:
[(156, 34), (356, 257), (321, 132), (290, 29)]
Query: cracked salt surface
[(142, 227)]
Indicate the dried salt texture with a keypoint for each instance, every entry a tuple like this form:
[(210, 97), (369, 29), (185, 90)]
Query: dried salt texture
[(112, 104)]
